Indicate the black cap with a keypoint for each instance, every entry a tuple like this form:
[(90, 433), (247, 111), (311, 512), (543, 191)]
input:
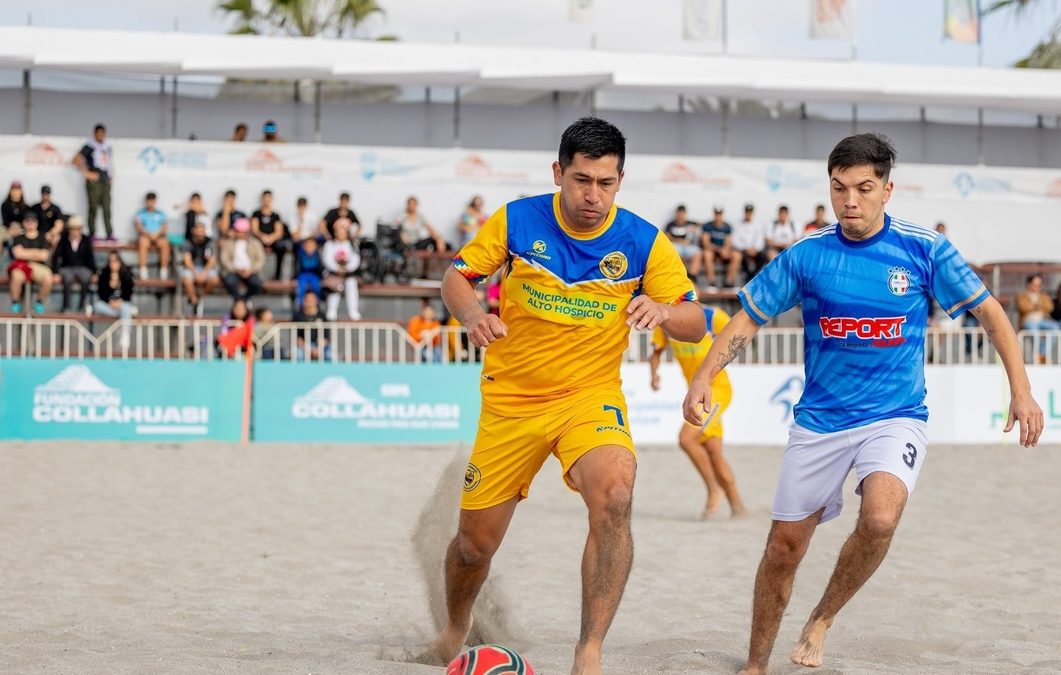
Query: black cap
[(749, 207), (46, 189), (29, 215)]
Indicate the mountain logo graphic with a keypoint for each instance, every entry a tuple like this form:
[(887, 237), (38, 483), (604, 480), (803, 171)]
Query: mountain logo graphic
[(76, 380), (333, 389)]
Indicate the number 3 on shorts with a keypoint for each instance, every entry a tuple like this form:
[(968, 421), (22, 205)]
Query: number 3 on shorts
[(618, 414), (910, 457)]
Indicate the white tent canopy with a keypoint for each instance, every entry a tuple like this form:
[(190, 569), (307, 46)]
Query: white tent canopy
[(401, 64)]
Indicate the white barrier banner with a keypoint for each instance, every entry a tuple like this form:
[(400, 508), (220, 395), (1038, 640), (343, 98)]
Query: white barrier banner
[(967, 404), (973, 201)]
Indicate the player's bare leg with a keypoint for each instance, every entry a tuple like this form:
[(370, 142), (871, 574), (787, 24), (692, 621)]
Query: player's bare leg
[(479, 535), (689, 440), (883, 500), (605, 478), (724, 475), (785, 547)]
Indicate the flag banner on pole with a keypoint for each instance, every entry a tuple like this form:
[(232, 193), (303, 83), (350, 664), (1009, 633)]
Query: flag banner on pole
[(702, 20), (961, 20), (832, 19), (580, 11)]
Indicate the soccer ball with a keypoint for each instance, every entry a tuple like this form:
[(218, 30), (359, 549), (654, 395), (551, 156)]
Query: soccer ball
[(489, 660)]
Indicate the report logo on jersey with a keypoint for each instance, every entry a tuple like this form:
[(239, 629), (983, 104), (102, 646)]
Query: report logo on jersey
[(881, 331), (613, 265), (899, 280)]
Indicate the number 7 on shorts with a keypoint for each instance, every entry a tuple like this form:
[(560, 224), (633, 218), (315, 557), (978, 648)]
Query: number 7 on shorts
[(618, 414)]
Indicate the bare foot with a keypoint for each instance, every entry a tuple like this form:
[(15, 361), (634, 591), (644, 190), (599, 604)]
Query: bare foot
[(811, 644), (714, 500), (738, 511), (587, 661), (749, 669), (446, 646)]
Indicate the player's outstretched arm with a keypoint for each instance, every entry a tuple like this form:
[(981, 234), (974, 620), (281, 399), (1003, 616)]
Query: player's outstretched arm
[(459, 296), (733, 339), (1022, 406)]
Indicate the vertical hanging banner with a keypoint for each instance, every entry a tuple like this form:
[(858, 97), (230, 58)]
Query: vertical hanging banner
[(702, 20), (580, 11), (961, 20), (832, 19)]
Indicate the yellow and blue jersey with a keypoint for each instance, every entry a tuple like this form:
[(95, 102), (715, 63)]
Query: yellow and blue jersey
[(564, 296), (690, 355)]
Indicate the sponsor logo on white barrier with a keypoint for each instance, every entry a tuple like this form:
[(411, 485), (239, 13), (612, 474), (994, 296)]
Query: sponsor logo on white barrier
[(76, 396), (334, 398)]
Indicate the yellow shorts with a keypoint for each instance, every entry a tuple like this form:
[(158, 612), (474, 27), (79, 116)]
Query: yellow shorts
[(509, 451), (722, 396)]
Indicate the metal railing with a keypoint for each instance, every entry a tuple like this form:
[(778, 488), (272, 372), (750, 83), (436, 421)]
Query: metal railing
[(365, 342)]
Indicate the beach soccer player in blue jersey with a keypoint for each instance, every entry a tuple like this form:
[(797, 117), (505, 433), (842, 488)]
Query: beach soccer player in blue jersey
[(866, 285)]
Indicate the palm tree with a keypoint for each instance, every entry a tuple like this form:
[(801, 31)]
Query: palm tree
[(326, 18), (1046, 54)]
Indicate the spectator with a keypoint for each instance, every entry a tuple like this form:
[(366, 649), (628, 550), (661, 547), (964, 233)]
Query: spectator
[(1035, 308), (262, 324), (303, 225), (228, 214), (819, 220), (239, 134), (30, 253), (941, 227), (341, 261), (151, 225), (272, 231), (49, 216), (114, 291), (95, 162), (493, 295), (718, 244), (426, 325), (194, 212), (416, 231), (782, 234), (311, 343), (236, 328), (472, 220), (309, 269), (749, 239), (14, 207), (75, 262), (270, 132), (242, 260), (1056, 314), (680, 233), (327, 224), (199, 275)]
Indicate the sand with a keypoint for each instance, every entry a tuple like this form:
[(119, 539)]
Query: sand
[(132, 558)]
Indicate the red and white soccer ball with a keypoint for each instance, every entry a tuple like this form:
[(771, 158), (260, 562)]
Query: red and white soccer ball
[(489, 660)]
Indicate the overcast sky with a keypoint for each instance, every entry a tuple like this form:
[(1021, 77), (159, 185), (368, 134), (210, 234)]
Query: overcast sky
[(906, 31)]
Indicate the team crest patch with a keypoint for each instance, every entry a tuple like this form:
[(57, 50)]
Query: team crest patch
[(613, 265), (899, 280), (472, 476)]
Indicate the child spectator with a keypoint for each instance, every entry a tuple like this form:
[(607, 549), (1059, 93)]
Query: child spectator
[(235, 332), (425, 325), (311, 343), (341, 261), (310, 269)]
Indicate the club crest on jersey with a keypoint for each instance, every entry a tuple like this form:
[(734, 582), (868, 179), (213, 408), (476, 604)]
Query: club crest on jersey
[(899, 280), (613, 265)]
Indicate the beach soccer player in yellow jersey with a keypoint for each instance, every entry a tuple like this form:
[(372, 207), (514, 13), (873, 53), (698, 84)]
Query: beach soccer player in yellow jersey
[(578, 274), (704, 444)]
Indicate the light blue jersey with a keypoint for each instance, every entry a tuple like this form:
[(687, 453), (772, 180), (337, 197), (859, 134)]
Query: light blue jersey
[(865, 309)]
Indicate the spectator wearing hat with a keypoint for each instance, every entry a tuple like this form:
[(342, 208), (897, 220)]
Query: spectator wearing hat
[(95, 161), (242, 259), (749, 238), (30, 253), (49, 216), (151, 225), (12, 210), (270, 132), (75, 262), (199, 274), (717, 241)]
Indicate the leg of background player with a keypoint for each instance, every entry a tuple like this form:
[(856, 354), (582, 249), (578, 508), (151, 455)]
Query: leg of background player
[(724, 474), (689, 440)]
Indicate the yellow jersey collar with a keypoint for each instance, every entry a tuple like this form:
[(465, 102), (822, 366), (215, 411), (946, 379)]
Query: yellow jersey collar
[(608, 220)]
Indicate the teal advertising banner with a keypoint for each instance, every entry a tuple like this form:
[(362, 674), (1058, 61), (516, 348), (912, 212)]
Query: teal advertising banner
[(120, 400), (365, 403)]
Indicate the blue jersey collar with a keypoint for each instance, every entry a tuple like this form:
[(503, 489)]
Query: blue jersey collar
[(865, 242)]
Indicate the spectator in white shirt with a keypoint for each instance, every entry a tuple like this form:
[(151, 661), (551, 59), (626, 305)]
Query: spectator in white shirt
[(341, 261), (782, 234), (749, 238)]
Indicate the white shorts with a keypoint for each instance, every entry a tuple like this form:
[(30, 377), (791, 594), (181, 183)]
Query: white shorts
[(815, 465)]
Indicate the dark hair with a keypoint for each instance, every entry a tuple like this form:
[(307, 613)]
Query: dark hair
[(239, 126), (782, 208), (681, 207), (819, 207), (862, 149), (302, 201), (1032, 277), (99, 127), (260, 312), (230, 192), (150, 195), (344, 195), (267, 192), (195, 195), (594, 138)]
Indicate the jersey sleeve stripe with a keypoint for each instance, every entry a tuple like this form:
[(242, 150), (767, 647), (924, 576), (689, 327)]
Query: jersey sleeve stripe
[(753, 310), (688, 296), (971, 301), (467, 272)]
